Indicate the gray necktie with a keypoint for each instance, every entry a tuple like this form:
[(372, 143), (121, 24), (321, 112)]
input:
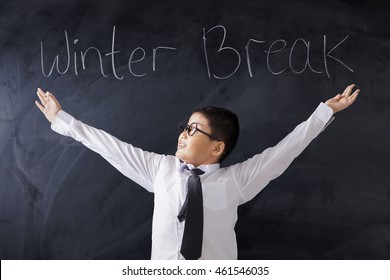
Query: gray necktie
[(192, 212)]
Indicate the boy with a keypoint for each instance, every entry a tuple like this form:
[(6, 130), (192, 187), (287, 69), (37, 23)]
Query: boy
[(197, 221)]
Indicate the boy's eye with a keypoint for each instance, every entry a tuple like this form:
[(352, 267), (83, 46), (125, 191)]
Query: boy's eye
[(192, 129)]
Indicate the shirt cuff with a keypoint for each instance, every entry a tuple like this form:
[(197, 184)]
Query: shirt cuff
[(62, 122), (325, 113)]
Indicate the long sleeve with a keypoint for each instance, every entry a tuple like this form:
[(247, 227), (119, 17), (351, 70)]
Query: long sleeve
[(136, 164), (255, 173)]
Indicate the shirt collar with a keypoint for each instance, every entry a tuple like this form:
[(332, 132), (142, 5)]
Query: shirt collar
[(207, 168)]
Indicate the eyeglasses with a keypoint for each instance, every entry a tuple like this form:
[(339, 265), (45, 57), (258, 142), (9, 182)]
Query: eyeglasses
[(192, 129)]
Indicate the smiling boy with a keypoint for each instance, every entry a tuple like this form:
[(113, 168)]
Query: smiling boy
[(207, 139)]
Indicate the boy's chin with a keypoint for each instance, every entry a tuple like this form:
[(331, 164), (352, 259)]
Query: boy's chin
[(179, 155), (183, 158)]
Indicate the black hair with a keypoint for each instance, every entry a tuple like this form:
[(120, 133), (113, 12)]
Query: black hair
[(224, 126)]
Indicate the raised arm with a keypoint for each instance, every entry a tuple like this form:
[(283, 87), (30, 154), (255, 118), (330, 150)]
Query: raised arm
[(255, 173), (136, 164)]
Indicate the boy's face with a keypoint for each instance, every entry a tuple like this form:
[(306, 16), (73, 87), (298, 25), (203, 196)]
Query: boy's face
[(199, 148)]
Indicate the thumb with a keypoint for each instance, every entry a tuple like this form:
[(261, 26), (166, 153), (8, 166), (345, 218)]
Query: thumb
[(337, 97), (55, 101)]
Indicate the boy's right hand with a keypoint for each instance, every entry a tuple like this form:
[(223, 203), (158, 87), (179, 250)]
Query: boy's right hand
[(50, 106)]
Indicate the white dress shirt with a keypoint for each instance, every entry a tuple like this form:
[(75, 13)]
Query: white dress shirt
[(224, 189)]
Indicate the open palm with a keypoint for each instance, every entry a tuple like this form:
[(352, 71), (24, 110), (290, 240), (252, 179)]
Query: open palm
[(344, 100)]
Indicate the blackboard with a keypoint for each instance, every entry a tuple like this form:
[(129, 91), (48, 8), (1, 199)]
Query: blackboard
[(137, 68)]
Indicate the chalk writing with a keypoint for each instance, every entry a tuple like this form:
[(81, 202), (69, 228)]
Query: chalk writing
[(221, 48), (83, 54), (213, 57), (275, 47)]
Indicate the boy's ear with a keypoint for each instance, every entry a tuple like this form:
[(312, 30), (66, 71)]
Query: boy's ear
[(219, 148)]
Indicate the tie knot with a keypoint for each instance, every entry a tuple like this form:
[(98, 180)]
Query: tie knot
[(196, 171)]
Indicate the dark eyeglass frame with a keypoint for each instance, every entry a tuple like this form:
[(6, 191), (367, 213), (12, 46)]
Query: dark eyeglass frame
[(192, 129)]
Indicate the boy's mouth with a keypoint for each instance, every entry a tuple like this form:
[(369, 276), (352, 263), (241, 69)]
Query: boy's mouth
[(181, 145)]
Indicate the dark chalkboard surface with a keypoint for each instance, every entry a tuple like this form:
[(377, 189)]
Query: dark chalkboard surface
[(137, 68)]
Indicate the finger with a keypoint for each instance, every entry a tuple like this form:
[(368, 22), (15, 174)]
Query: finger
[(41, 97), (47, 96), (41, 93), (50, 98), (348, 90), (337, 97), (54, 98), (353, 97), (39, 106), (40, 90), (356, 92)]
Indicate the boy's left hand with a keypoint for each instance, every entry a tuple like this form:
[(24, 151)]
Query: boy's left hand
[(344, 100)]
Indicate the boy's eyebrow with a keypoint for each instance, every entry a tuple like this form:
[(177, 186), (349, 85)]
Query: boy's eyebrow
[(197, 123)]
